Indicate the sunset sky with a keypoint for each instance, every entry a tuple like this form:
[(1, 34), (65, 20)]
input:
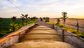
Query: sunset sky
[(41, 8)]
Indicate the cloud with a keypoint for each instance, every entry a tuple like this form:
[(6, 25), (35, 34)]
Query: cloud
[(43, 6)]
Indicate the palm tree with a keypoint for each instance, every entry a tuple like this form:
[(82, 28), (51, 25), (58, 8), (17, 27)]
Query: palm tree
[(26, 15), (64, 16), (22, 15)]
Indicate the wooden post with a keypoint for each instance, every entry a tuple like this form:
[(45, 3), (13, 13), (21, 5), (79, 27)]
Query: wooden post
[(77, 26), (63, 35), (53, 26)]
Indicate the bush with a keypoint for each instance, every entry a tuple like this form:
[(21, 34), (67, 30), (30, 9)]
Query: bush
[(7, 25)]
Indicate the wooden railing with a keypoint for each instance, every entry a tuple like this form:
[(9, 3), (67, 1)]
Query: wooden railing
[(13, 37), (70, 38)]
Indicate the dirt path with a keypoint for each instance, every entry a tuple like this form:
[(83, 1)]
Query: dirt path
[(42, 33), (41, 37)]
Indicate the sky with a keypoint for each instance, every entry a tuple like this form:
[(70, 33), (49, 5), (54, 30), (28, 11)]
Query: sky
[(42, 8)]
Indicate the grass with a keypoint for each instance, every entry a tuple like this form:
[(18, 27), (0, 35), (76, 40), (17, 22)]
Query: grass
[(67, 28), (81, 34), (49, 22)]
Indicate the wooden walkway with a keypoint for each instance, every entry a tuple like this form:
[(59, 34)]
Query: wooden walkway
[(41, 37)]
